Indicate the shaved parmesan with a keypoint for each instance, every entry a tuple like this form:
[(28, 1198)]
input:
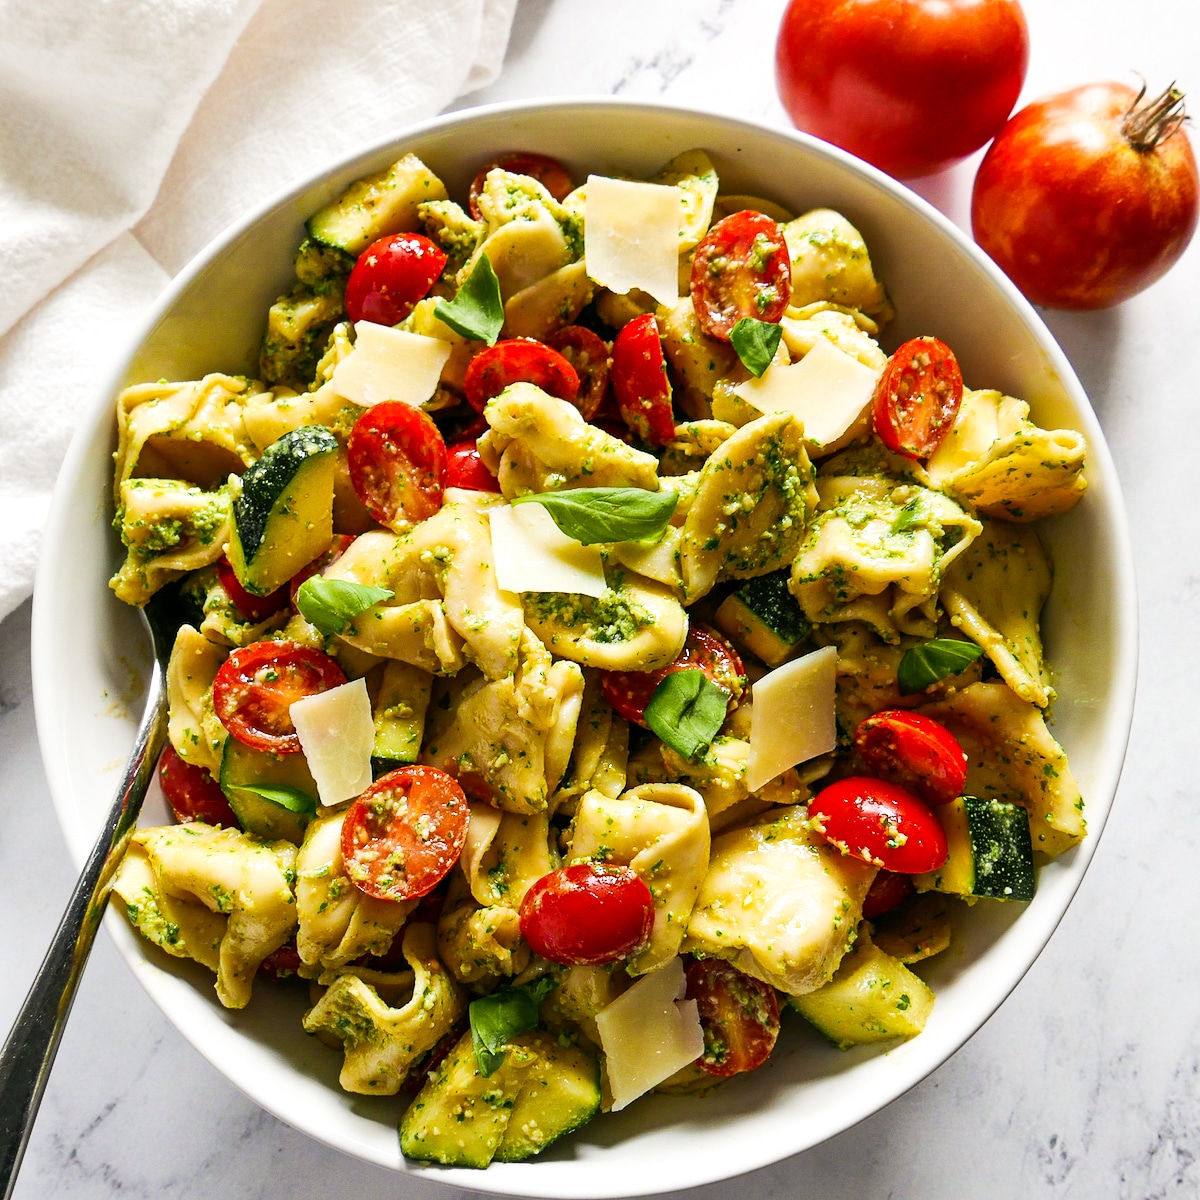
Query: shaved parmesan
[(337, 735), (648, 1033), (792, 716), (390, 364), (631, 236), (533, 555)]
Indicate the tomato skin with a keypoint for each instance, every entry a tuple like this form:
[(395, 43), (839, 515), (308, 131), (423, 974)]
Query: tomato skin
[(911, 86), (887, 891), (283, 963), (587, 913), (192, 793), (340, 544), (549, 172), (519, 360), (861, 816), (917, 397), (397, 463), (739, 1016), (253, 608), (741, 268), (589, 354), (915, 751), (1075, 214), (390, 276), (465, 469), (639, 376)]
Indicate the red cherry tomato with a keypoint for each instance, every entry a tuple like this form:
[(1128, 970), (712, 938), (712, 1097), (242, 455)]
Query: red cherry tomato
[(915, 751), (739, 1016), (1086, 198), (518, 360), (630, 691), (397, 463), (258, 684), (465, 469), (253, 608), (591, 358), (887, 891), (587, 913), (639, 376), (741, 269), (910, 85), (881, 823), (917, 397), (192, 793), (404, 833), (549, 172), (391, 275), (338, 547), (283, 963)]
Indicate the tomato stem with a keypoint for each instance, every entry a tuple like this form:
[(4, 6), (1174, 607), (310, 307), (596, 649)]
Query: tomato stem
[(1146, 125)]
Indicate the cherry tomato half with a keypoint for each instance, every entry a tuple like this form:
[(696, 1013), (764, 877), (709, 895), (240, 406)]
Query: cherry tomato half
[(465, 469), (915, 751), (391, 275), (404, 833), (639, 375), (917, 397), (587, 913), (880, 823), (887, 891), (340, 544), (518, 360), (253, 608), (741, 269), (591, 358), (192, 793), (283, 963), (739, 1016), (397, 463), (257, 685), (549, 172)]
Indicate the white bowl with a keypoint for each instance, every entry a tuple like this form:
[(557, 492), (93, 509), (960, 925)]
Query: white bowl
[(89, 656)]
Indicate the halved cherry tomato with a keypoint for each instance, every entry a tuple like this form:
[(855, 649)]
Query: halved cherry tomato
[(391, 275), (639, 375), (739, 1016), (587, 913), (283, 963), (917, 397), (741, 269), (630, 691), (253, 608), (886, 892), (397, 463), (338, 547), (465, 469), (518, 360), (915, 751), (881, 823), (257, 685), (192, 793), (549, 172), (404, 833), (591, 358)]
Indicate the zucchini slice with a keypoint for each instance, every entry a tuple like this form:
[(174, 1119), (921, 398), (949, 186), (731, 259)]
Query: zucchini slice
[(242, 765), (763, 616), (399, 714), (991, 851)]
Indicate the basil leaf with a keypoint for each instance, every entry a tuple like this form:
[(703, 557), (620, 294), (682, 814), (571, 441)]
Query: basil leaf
[(686, 711), (931, 661), (330, 604), (756, 343), (477, 312), (591, 515), (286, 796), (497, 1018)]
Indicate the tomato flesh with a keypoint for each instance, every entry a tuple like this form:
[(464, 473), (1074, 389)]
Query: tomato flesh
[(340, 544), (397, 463), (589, 354), (917, 397), (519, 360), (639, 376), (549, 172), (283, 963), (887, 891), (739, 1016), (741, 269), (465, 469), (915, 751), (390, 276), (192, 793), (253, 608)]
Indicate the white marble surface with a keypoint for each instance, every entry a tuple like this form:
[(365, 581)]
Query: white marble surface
[(1087, 1082)]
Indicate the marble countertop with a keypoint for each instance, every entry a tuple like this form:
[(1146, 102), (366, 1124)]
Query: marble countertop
[(1086, 1083)]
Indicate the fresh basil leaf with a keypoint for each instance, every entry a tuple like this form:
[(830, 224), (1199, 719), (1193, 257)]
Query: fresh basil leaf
[(477, 312), (330, 604), (293, 799), (931, 661), (497, 1018), (756, 343), (591, 515), (686, 711)]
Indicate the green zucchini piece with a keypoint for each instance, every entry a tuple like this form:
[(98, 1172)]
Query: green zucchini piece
[(399, 712), (990, 851), (763, 616), (240, 765)]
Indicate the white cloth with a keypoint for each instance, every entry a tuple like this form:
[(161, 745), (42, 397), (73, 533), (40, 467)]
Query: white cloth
[(133, 132)]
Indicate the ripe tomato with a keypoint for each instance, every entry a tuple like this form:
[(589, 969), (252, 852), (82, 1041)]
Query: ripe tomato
[(887, 891), (881, 823), (518, 360), (549, 172), (465, 469), (192, 793), (253, 608), (915, 751), (391, 275), (741, 269), (639, 375), (397, 463), (1088, 197), (739, 1016), (917, 397), (257, 685), (587, 913), (283, 963), (338, 547), (404, 833), (591, 358), (910, 85)]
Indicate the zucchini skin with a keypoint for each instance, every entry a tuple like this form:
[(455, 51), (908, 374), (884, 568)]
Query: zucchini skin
[(763, 616), (991, 851)]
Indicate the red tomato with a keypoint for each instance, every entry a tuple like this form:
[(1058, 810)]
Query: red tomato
[(283, 963), (915, 751), (739, 1016), (391, 275), (258, 684), (404, 833), (881, 823), (549, 172), (741, 269), (465, 469), (338, 547), (910, 85), (397, 463), (518, 360), (1088, 197), (591, 358), (253, 608), (587, 913), (917, 397), (886, 892), (639, 375), (192, 793)]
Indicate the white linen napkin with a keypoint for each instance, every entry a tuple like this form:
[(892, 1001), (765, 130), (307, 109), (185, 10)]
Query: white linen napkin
[(133, 132)]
